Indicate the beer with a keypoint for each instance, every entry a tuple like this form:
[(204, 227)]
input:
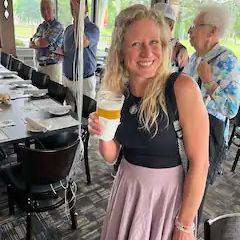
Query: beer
[(109, 107), (108, 110)]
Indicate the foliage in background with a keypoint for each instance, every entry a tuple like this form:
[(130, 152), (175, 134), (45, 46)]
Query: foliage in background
[(114, 7), (27, 11), (19, 43), (189, 8), (64, 13), (27, 17), (25, 31)]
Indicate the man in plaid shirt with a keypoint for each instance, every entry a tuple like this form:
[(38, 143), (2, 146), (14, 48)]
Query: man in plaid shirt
[(48, 41)]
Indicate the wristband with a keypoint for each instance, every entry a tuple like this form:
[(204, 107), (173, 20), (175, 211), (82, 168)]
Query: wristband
[(187, 229)]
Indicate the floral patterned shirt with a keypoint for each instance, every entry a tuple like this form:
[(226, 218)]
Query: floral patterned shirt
[(53, 31), (225, 100)]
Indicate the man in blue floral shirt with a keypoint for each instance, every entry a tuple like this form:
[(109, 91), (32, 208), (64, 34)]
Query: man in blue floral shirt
[(48, 41)]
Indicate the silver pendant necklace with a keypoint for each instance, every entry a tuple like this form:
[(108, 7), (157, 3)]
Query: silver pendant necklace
[(135, 101), (133, 109)]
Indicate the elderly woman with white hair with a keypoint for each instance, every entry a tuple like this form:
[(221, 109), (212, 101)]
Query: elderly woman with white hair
[(217, 72)]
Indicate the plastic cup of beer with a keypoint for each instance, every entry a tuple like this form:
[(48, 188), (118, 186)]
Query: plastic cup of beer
[(109, 105)]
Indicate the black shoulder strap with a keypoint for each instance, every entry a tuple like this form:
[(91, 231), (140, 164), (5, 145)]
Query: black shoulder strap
[(170, 97)]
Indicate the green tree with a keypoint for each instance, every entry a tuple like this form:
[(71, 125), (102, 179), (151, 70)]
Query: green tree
[(27, 11), (187, 11), (189, 8), (234, 7), (114, 7), (64, 13)]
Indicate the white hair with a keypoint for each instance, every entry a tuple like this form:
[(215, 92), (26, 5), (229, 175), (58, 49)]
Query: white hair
[(218, 16)]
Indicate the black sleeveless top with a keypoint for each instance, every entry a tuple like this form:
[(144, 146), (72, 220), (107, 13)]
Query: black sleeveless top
[(139, 147)]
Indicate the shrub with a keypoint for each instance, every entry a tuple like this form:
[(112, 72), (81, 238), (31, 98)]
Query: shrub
[(19, 43)]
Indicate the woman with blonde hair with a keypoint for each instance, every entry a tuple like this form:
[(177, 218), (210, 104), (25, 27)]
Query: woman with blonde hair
[(151, 199)]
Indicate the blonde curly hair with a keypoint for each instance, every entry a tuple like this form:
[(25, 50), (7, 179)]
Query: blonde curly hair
[(115, 77)]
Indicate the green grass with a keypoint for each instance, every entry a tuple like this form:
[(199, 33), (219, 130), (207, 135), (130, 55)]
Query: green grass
[(229, 43), (25, 31), (19, 43)]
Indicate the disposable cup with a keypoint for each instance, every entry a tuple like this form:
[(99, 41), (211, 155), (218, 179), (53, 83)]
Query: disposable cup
[(109, 105)]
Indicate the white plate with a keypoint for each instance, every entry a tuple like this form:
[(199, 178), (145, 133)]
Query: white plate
[(24, 85), (58, 112), (31, 129), (10, 76), (14, 86), (37, 95)]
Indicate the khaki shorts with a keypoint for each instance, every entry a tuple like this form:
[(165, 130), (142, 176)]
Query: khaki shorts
[(89, 86), (54, 71)]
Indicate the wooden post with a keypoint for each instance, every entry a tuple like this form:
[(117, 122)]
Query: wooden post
[(7, 27)]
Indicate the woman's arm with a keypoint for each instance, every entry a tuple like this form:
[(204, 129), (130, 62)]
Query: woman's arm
[(182, 57), (108, 149), (194, 121)]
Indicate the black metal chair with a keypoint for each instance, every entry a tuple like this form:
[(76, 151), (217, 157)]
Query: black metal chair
[(101, 64), (14, 64), (100, 70), (89, 106), (235, 139), (56, 91), (5, 58), (51, 142), (3, 156), (39, 79), (39, 182), (224, 227), (25, 72)]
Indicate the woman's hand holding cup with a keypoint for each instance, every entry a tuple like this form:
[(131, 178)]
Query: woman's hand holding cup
[(109, 105), (94, 126)]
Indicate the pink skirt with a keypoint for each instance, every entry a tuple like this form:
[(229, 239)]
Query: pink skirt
[(144, 203)]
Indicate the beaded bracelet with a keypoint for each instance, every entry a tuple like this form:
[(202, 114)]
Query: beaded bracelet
[(186, 229)]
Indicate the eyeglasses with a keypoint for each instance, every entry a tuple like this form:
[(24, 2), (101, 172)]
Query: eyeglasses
[(195, 26)]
